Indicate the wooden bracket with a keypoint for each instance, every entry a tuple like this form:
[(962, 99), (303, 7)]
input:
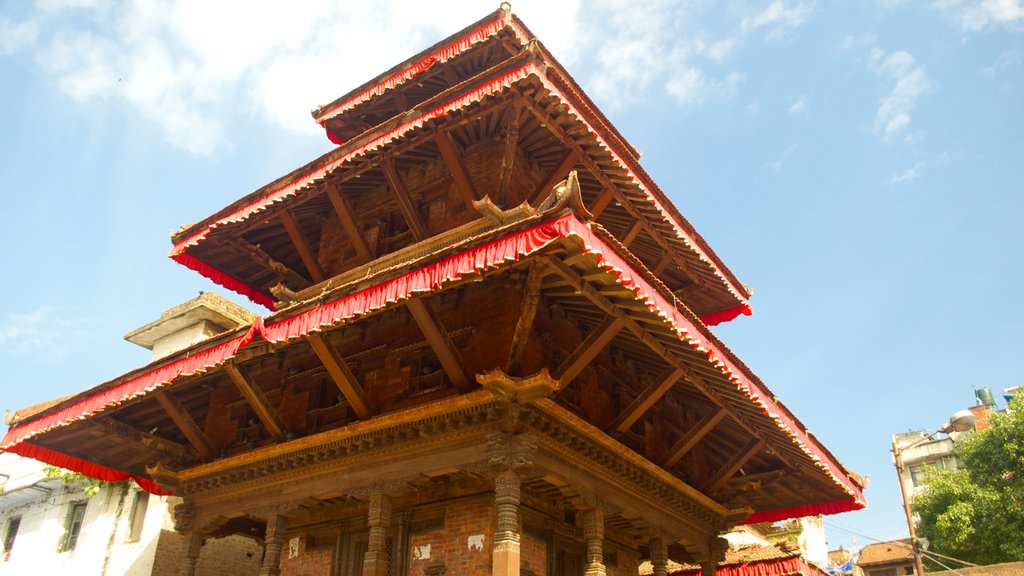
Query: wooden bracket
[(193, 433), (342, 376), (693, 436), (257, 400), (439, 342), (646, 399), (531, 298), (730, 468), (451, 159), (348, 223), (585, 353), (405, 204), (301, 246)]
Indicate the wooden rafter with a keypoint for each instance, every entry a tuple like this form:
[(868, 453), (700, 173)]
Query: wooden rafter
[(557, 174), (524, 325), (152, 442), (181, 418), (585, 353), (440, 343), (343, 377), (632, 233), (694, 379), (301, 246), (288, 276), (693, 436), (730, 468), (602, 202), (646, 399), (412, 217), (348, 223), (509, 155), (257, 400), (534, 108), (663, 264), (452, 159)]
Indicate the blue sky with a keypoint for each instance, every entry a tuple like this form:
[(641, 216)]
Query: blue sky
[(859, 164)]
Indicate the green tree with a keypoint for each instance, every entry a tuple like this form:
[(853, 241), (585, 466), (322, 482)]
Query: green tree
[(976, 512)]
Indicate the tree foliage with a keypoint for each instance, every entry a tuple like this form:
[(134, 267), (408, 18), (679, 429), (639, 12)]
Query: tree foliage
[(976, 512)]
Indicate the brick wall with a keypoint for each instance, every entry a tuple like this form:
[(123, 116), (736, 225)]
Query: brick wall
[(231, 556), (299, 559)]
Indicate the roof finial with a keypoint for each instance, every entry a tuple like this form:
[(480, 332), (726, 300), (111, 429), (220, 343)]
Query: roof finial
[(506, 7)]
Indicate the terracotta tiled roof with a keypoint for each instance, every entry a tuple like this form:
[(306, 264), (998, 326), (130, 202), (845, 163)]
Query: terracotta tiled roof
[(737, 555), (884, 552)]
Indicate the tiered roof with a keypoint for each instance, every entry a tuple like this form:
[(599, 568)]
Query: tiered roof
[(480, 213)]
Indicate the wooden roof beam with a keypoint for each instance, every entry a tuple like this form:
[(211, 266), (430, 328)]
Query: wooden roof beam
[(287, 275), (602, 201), (440, 343), (588, 350), (509, 155), (693, 436), (301, 246), (557, 174), (730, 468), (151, 442), (632, 233), (646, 399), (348, 222), (534, 108), (343, 377), (257, 400), (527, 313), (402, 196), (181, 418), (694, 379), (452, 159)]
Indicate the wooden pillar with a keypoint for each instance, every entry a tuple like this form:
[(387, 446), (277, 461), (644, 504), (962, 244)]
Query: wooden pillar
[(707, 568), (195, 545), (505, 555), (376, 561), (593, 533), (273, 541), (659, 556)]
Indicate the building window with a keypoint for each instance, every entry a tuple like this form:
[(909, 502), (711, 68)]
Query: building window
[(138, 515), (916, 474), (73, 526), (13, 523)]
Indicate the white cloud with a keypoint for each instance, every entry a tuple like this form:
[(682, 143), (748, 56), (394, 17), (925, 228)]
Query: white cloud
[(778, 20), (975, 15), (915, 172), (799, 107), (16, 36), (907, 82), (692, 86), (42, 332), (776, 165)]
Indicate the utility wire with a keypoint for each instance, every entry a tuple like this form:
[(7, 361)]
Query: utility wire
[(934, 556)]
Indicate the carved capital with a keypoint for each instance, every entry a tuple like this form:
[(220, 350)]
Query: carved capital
[(511, 452), (184, 517)]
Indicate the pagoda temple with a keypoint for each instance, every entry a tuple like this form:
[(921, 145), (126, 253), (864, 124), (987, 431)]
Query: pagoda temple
[(488, 351)]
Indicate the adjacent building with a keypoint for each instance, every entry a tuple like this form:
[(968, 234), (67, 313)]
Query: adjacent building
[(488, 351)]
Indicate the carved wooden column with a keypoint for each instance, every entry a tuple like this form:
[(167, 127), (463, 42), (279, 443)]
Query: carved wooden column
[(505, 556), (375, 563), (593, 533), (707, 568), (195, 545), (659, 556), (277, 526)]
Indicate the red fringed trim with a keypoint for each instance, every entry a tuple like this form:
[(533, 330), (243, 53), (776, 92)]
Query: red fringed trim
[(781, 567), (223, 278), (824, 508), (443, 54), (90, 469), (333, 137), (726, 315)]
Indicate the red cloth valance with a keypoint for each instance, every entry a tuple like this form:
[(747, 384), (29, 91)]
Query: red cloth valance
[(783, 567), (430, 277)]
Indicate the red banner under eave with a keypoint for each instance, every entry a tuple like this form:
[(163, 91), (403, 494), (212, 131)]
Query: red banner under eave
[(430, 277), (293, 188), (781, 567)]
